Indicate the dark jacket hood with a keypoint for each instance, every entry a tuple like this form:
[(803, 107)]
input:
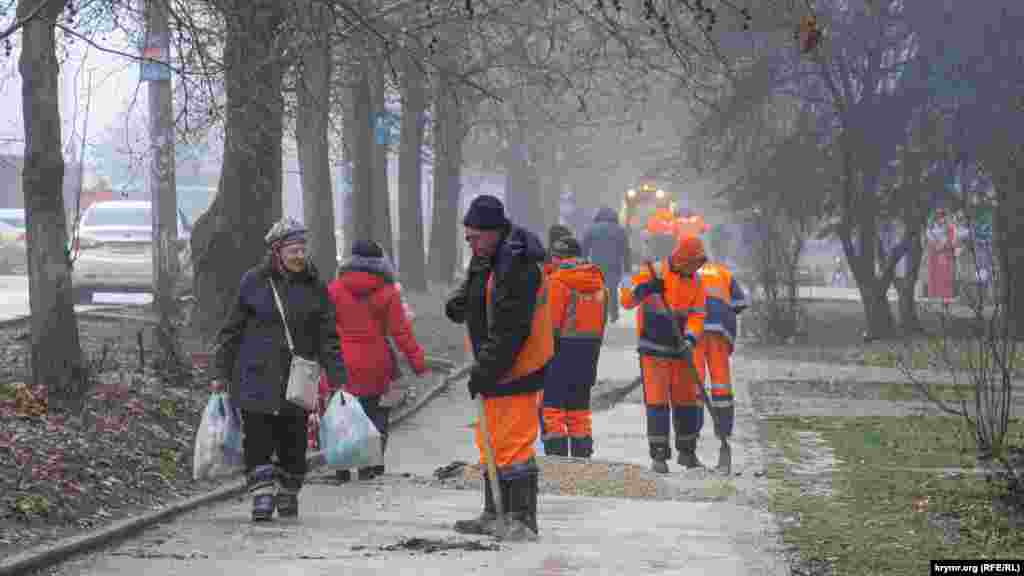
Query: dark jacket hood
[(606, 214), (520, 242)]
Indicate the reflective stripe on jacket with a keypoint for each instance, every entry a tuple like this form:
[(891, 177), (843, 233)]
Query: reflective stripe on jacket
[(686, 301), (724, 296)]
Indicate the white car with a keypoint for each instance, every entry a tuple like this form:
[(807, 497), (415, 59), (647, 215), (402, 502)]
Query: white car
[(113, 251)]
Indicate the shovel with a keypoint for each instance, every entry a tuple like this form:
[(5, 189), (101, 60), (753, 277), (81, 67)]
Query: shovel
[(492, 470)]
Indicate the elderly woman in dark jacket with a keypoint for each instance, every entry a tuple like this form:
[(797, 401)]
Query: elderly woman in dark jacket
[(254, 359)]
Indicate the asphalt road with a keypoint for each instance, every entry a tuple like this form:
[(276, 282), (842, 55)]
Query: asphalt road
[(14, 302)]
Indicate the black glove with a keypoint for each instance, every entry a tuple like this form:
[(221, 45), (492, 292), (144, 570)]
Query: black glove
[(478, 383), (652, 286)]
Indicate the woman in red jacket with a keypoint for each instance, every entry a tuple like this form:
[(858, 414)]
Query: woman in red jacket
[(369, 314)]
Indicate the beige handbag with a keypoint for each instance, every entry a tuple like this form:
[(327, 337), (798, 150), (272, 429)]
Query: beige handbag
[(303, 374)]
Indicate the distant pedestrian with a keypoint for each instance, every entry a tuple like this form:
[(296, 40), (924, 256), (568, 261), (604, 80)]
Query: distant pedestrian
[(606, 244), (371, 315), (253, 346), (504, 304)]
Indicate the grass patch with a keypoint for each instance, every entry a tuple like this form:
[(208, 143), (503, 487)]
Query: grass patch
[(877, 518), (933, 354), (905, 392)]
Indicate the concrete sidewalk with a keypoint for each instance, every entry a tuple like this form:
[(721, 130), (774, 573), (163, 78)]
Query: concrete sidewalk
[(343, 528)]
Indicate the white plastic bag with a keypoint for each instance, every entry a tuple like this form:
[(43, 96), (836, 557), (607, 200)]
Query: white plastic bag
[(218, 449), (347, 436)]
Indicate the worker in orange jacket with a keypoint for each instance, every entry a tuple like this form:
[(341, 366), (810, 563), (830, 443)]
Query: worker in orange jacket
[(579, 305), (671, 392), (661, 227), (690, 223), (504, 304), (725, 300)]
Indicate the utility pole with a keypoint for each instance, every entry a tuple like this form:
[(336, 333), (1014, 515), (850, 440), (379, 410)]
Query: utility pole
[(163, 195)]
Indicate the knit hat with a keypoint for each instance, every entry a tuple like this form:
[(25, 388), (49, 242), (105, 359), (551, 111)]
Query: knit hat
[(367, 249), (285, 231), (485, 213), (565, 247)]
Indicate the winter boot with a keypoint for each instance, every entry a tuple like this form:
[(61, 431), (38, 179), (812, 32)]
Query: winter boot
[(521, 524), (724, 458), (688, 454), (261, 486), (343, 476), (486, 523), (287, 497), (660, 453), (367, 473), (582, 446), (557, 446)]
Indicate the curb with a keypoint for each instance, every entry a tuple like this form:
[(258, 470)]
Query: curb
[(62, 550)]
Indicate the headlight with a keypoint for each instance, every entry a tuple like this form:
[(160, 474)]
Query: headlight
[(630, 193), (659, 194)]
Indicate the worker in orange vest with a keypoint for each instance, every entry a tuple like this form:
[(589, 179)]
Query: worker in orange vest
[(670, 390), (579, 305), (662, 229), (504, 304), (689, 223), (725, 300)]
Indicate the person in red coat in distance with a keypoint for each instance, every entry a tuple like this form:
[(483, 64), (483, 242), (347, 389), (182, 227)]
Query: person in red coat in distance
[(370, 315)]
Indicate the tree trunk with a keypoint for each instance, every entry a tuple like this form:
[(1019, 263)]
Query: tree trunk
[(362, 183), (163, 193), (56, 354), (909, 319), (350, 146), (1008, 226), (228, 238), (312, 122), (444, 227), (381, 195), (410, 216)]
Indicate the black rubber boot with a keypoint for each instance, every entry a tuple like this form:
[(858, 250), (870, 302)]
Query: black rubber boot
[(688, 454), (582, 446), (484, 524), (521, 525), (367, 473), (660, 453), (287, 498), (261, 486), (558, 446), (343, 476)]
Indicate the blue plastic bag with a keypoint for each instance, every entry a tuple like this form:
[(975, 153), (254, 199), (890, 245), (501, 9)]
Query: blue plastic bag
[(347, 436), (218, 449)]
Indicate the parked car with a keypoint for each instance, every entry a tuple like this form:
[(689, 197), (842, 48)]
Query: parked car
[(113, 250), (13, 257), (13, 217)]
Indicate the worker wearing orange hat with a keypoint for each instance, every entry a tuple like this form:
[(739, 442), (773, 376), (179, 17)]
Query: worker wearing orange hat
[(671, 392)]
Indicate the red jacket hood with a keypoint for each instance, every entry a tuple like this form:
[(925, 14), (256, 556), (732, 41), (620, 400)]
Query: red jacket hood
[(362, 276)]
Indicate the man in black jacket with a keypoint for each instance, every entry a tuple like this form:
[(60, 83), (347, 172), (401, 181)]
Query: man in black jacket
[(503, 303)]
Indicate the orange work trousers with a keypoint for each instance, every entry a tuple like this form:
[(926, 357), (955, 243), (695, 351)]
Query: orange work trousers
[(514, 424), (672, 379), (712, 357)]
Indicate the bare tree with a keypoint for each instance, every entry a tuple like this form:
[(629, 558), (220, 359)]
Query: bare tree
[(312, 127), (56, 357), (228, 238), (411, 240)]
